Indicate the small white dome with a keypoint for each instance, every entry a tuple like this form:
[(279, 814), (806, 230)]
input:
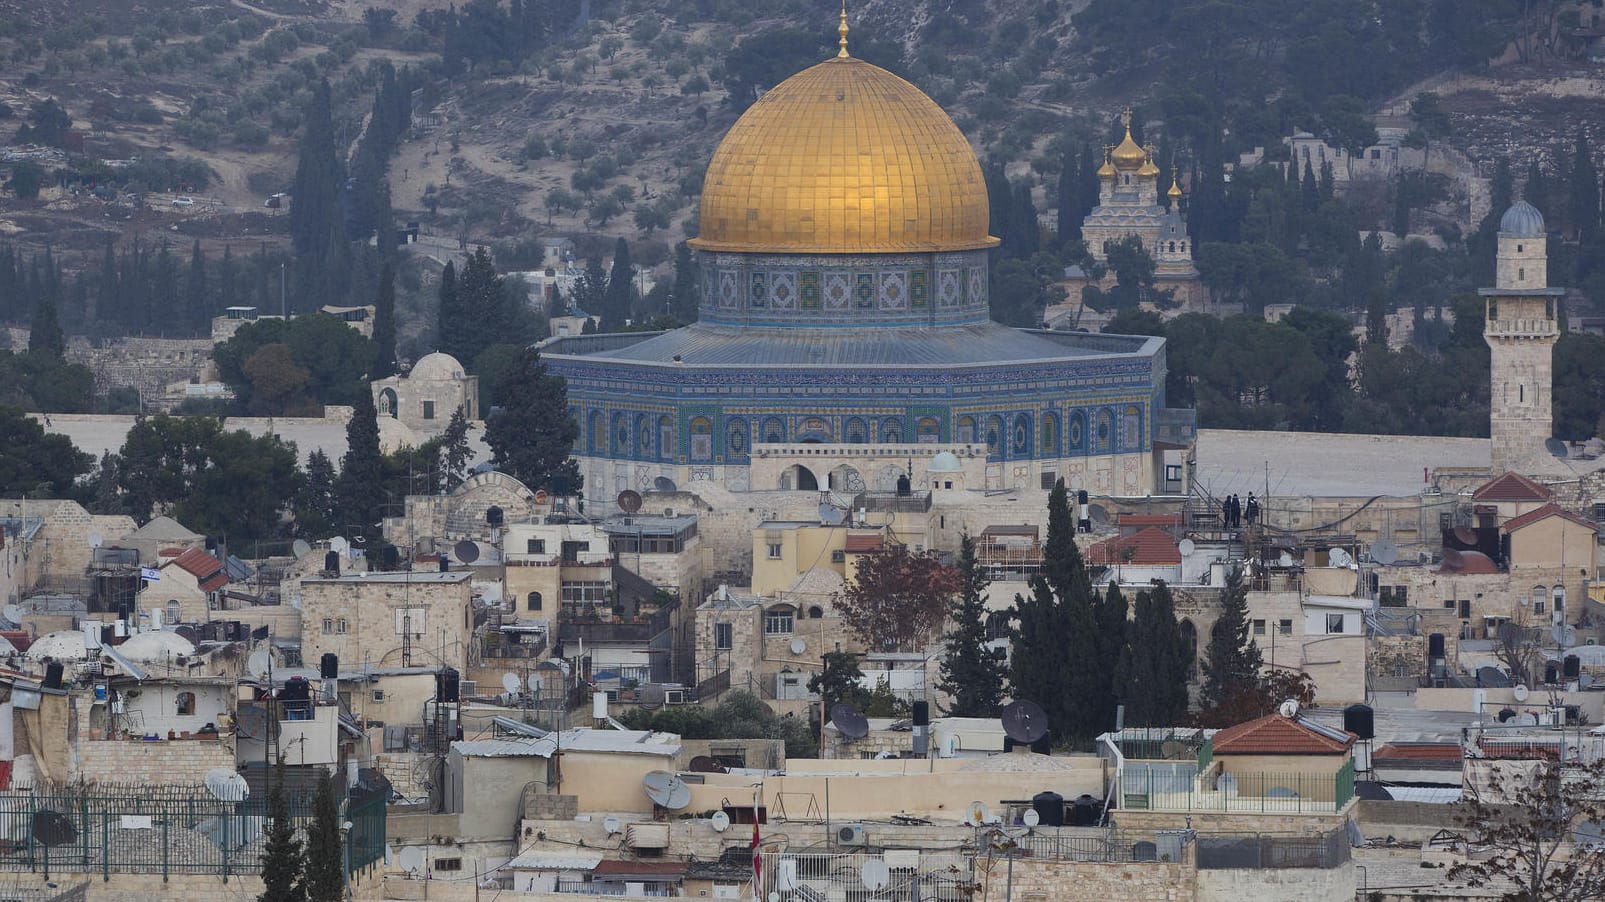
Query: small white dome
[(1522, 220), (64, 645), (945, 462), (437, 367), (155, 646)]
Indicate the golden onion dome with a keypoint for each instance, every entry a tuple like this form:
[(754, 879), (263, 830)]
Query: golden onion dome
[(1129, 155), (1148, 168), (1175, 185), (1107, 170), (844, 157)]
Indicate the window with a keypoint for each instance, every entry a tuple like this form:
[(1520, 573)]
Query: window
[(1538, 606), (584, 591), (1334, 623), (328, 626), (186, 704), (535, 546), (1259, 627), (175, 611), (1285, 627), (815, 612), (532, 602), (448, 864), (1449, 603), (429, 410), (838, 556), (571, 551), (378, 695), (777, 621), (341, 627), (723, 637), (774, 551)]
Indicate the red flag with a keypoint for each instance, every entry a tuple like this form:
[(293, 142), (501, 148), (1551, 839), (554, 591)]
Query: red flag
[(757, 860)]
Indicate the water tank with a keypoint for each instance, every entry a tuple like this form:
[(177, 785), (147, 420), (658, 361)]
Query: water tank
[(1574, 667), (494, 516), (1435, 645), (922, 713), (1551, 673), (331, 562), (1049, 807), (53, 674), (446, 685), (329, 666), (1084, 812), (1360, 720)]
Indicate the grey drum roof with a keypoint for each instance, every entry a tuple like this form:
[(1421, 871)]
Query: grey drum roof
[(980, 344)]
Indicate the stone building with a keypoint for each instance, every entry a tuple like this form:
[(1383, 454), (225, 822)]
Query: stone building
[(844, 308), (1521, 327), (400, 619), (425, 397)]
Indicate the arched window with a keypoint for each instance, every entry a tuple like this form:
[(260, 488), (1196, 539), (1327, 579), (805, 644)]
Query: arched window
[(966, 429), (779, 620), (701, 440), (621, 436), (927, 431), (340, 627), (1104, 432), (175, 611), (774, 430), (736, 442), (666, 438), (1076, 432), (328, 626), (994, 437), (1020, 443), (387, 403), (1049, 433), (532, 602), (1131, 428), (643, 438), (857, 432), (184, 704), (815, 612), (891, 431), (596, 435), (1558, 607)]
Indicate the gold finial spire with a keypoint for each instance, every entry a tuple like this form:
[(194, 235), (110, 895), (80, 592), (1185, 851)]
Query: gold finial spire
[(1125, 117), (842, 30), (1175, 182), (1107, 170)]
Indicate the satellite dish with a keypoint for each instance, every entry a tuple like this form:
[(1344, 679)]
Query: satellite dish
[(664, 484), (1289, 708), (465, 551), (798, 646), (1453, 561), (259, 663), (1492, 677), (652, 696), (52, 828), (720, 822), (1098, 514), (1185, 546), (1031, 818), (1025, 722), (1339, 558), (510, 683), (411, 859), (541, 497), (977, 814), (534, 683), (1286, 560), (1519, 692), (227, 784), (251, 722), (610, 824), (831, 515), (1524, 720), (1384, 552), (666, 790), (1465, 535), (875, 874), (1556, 448), (703, 764), (340, 545), (629, 501), (12, 613), (300, 548), (848, 721), (96, 540)]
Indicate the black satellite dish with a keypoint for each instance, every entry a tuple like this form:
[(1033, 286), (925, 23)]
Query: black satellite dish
[(703, 764), (1465, 535), (1025, 722), (1556, 448), (629, 501), (52, 828), (466, 551), (848, 721)]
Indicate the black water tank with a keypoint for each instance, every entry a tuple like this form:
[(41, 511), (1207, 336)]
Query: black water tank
[(1574, 667), (445, 563), (1360, 720), (922, 713), (331, 562), (1043, 746), (1081, 496), (53, 674), (494, 516), (1505, 714), (296, 689), (1551, 673), (1049, 807), (446, 685), (329, 666), (1084, 812), (1435, 645)]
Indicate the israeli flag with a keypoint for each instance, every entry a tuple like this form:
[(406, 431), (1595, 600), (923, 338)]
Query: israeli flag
[(150, 574)]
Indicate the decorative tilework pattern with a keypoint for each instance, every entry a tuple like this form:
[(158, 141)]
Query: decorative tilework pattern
[(729, 291), (759, 291), (977, 293), (838, 290), (808, 288), (893, 291), (783, 290), (919, 289), (863, 290), (948, 294)]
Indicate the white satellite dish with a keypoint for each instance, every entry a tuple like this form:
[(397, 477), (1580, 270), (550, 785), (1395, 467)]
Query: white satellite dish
[(798, 646), (666, 790), (1289, 708), (227, 784), (96, 540), (1520, 692), (510, 683), (720, 822), (1185, 546), (610, 824), (339, 545), (300, 548), (259, 663), (12, 613), (534, 683), (1031, 818), (977, 814), (875, 874), (411, 859)]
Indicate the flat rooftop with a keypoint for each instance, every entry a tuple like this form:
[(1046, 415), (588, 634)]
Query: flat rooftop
[(410, 577), (1326, 463)]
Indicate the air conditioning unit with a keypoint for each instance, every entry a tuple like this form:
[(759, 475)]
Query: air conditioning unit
[(674, 696), (467, 688), (850, 835)]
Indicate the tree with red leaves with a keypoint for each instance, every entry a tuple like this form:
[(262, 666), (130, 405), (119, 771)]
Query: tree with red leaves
[(898, 599)]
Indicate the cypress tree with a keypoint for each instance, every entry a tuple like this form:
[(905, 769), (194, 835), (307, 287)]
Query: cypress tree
[(1536, 191), (195, 290), (1111, 611), (360, 492), (532, 433), (281, 853), (1152, 677), (45, 336), (1037, 652), (325, 863), (317, 224), (1311, 189), (1584, 205), (384, 325), (227, 275), (1232, 660), (969, 671), (685, 296), (1069, 197), (1087, 683), (1062, 564), (449, 312), (620, 296)]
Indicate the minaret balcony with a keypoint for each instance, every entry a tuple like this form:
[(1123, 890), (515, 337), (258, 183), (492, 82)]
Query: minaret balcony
[(1543, 327)]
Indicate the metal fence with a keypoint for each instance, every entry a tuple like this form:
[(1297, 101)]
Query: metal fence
[(1168, 786), (160, 831), (1263, 852), (1091, 844), (909, 874)]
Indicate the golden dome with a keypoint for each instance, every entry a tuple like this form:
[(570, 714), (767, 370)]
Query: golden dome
[(844, 157), (1107, 170), (1129, 155), (1148, 167), (1175, 184)]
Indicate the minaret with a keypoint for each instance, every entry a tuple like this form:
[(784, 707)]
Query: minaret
[(1521, 326)]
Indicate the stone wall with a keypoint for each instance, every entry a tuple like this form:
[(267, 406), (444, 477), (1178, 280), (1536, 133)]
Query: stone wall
[(146, 364), (179, 762), (1040, 880), (1217, 822), (1284, 884)]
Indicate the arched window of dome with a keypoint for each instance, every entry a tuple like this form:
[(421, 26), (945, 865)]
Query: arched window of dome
[(666, 438), (927, 431), (532, 602), (1131, 428), (1076, 432), (813, 430), (701, 440), (736, 440), (1103, 433), (1020, 442), (966, 429), (621, 436), (596, 437), (387, 403), (643, 437), (774, 430), (857, 432), (994, 437), (891, 431), (1049, 434)]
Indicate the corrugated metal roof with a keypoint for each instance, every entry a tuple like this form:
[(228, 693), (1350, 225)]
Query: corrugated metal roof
[(555, 861), (504, 748)]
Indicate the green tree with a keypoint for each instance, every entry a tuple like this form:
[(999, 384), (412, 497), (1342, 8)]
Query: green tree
[(619, 299), (317, 224), (359, 492), (1151, 677), (454, 451), (685, 298), (532, 434), (195, 290), (1232, 661), (33, 461), (281, 852), (337, 358), (324, 875), (45, 337), (1583, 200), (970, 673), (278, 385), (26, 179), (1134, 270), (384, 325), (1431, 122), (314, 507), (1111, 611)]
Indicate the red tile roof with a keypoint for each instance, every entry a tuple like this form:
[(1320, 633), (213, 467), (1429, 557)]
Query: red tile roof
[(1419, 751), (1278, 735), (1137, 521), (1511, 487), (1474, 563), (615, 869), (1544, 513), (862, 542), (1150, 546), (207, 570)]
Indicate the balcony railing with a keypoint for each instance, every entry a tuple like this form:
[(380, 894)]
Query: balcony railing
[(1166, 786)]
